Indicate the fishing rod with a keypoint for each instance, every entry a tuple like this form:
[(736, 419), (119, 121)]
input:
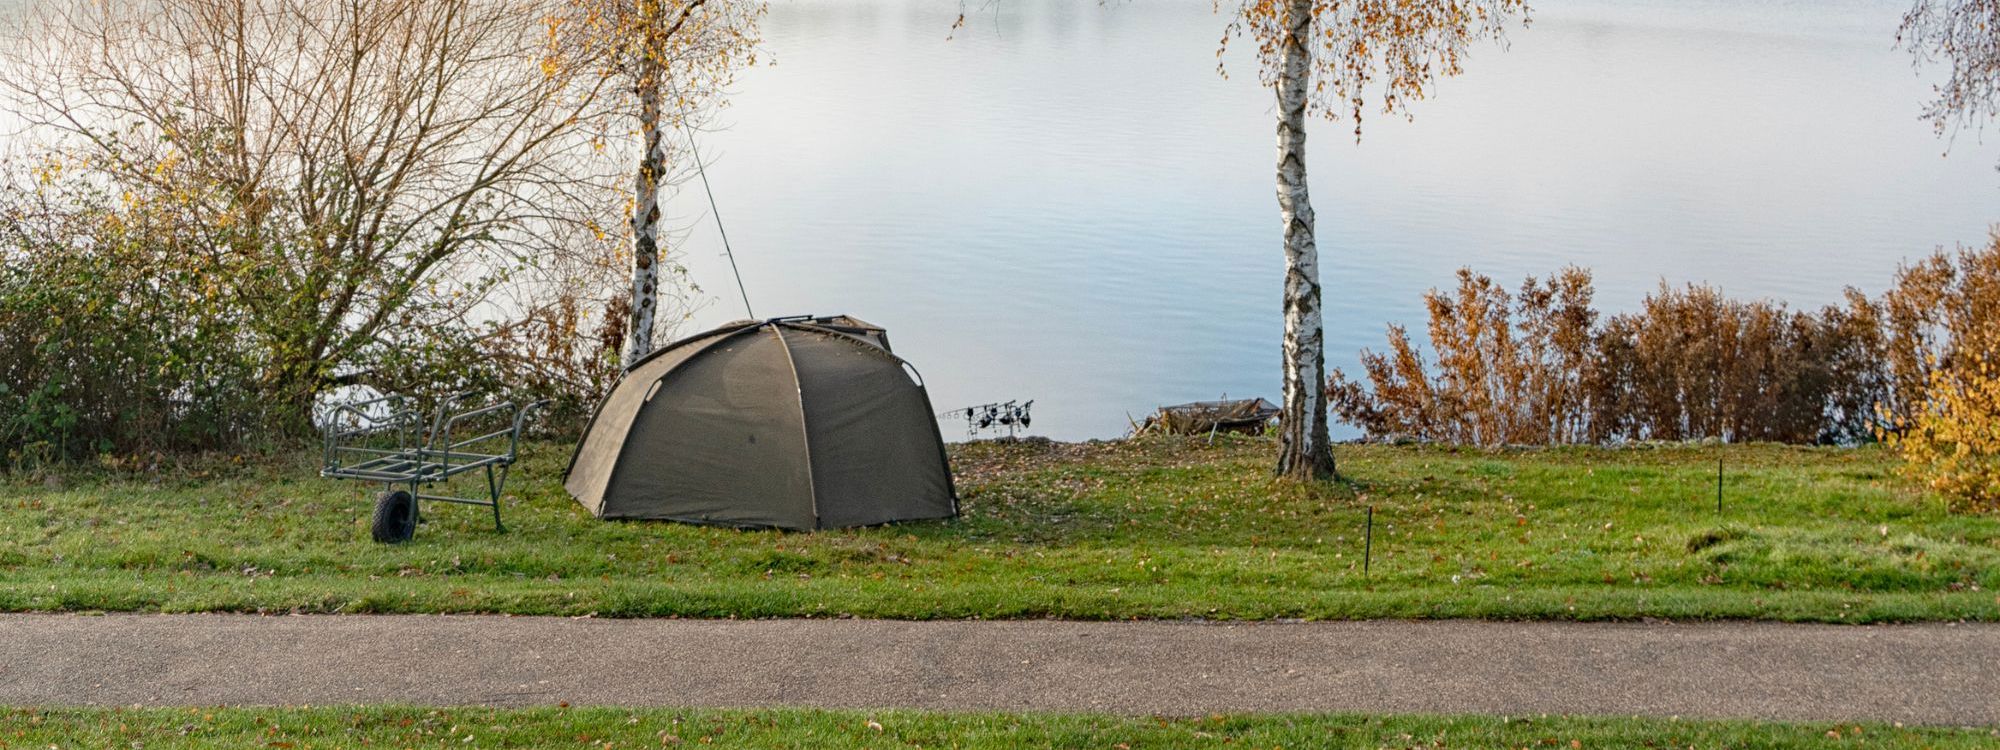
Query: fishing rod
[(702, 170)]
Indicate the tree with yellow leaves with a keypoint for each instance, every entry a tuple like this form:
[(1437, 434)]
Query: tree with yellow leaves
[(674, 58), (1328, 57), (1953, 446), (1943, 331)]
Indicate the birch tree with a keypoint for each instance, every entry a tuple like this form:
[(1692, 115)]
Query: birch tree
[(674, 57), (1327, 58)]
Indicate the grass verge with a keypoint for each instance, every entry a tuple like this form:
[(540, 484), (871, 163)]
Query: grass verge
[(801, 728), (1147, 529)]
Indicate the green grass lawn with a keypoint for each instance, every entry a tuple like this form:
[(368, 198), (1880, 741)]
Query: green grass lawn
[(797, 728), (1151, 529)]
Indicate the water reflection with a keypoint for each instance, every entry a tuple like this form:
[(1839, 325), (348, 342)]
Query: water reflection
[(1066, 203)]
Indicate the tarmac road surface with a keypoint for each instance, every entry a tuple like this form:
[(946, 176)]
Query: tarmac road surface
[(1929, 674)]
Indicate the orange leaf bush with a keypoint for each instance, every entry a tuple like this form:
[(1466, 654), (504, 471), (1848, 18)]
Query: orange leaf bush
[(1918, 368), (1944, 356), (1953, 445), (1537, 368)]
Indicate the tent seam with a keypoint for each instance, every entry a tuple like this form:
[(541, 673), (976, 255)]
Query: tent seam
[(805, 432), (944, 456)]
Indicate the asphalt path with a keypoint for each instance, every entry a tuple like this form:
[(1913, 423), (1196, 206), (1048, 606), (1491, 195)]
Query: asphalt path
[(1917, 674)]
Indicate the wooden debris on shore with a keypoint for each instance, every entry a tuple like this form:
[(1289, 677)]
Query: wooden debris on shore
[(1246, 415)]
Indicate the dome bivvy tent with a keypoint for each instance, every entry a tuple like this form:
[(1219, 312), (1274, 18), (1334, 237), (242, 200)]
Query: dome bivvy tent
[(792, 423)]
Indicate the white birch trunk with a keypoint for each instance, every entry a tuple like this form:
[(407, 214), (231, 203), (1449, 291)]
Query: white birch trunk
[(646, 216), (1304, 450)]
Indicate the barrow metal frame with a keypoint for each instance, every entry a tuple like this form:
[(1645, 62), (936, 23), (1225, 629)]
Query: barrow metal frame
[(419, 465)]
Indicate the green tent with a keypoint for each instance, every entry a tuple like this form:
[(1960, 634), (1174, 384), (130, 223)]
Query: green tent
[(792, 423)]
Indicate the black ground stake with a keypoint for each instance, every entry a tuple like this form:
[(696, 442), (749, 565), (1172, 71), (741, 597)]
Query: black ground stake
[(1721, 436), (1718, 479), (1368, 542)]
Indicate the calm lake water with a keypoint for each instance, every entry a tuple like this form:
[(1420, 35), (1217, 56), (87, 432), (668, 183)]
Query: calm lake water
[(1066, 203)]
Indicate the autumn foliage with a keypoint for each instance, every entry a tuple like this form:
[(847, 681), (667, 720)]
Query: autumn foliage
[(1943, 356), (1538, 366), (1918, 367), (1394, 50), (1509, 369)]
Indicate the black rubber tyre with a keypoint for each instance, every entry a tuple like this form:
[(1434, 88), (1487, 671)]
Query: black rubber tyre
[(394, 518)]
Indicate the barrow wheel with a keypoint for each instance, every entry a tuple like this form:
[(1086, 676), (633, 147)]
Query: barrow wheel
[(394, 521)]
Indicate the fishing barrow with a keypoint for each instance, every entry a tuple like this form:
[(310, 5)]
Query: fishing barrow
[(383, 440)]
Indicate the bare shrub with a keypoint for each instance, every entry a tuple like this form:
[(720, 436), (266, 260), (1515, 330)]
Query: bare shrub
[(337, 170), (409, 195)]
